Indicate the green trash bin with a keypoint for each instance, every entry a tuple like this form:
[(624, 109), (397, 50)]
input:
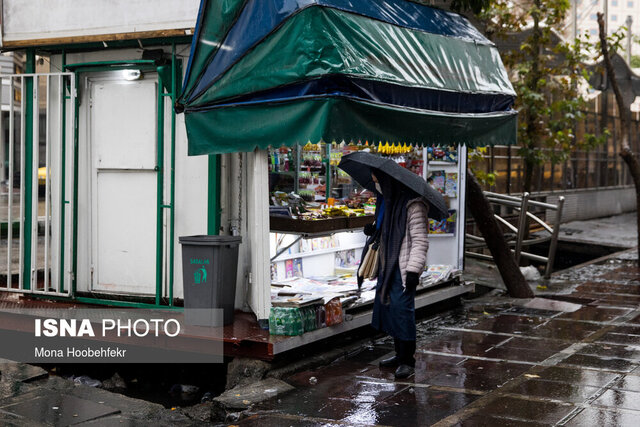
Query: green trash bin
[(209, 267)]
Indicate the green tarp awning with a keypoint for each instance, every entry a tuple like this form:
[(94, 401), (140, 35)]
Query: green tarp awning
[(281, 72)]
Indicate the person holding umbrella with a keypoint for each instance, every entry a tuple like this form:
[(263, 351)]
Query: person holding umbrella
[(400, 232)]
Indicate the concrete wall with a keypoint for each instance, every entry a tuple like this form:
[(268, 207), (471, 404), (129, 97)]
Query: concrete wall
[(23, 19), (593, 203)]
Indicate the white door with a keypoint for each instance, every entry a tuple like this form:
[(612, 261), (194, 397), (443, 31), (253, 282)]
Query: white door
[(124, 185)]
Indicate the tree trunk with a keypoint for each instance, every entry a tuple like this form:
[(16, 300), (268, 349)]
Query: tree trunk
[(625, 120), (532, 120), (482, 212)]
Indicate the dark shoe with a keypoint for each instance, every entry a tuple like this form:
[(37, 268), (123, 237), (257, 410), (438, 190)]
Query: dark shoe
[(391, 362), (404, 371)]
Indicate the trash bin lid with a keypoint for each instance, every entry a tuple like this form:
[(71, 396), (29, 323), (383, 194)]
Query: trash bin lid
[(210, 240)]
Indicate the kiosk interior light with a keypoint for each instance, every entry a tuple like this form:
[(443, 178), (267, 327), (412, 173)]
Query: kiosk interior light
[(131, 75)]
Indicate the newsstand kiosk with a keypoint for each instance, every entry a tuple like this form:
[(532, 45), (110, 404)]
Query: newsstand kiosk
[(277, 91)]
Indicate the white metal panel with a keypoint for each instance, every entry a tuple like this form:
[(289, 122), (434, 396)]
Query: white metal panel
[(191, 199), (447, 249), (462, 203), (124, 128), (593, 203), (258, 233), (123, 191), (126, 232), (25, 20)]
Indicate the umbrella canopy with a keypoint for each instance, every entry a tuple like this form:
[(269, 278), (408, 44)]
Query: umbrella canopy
[(283, 72), (361, 164)]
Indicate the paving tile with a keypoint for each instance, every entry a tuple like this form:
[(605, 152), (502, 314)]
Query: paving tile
[(628, 383), (626, 273), (471, 337), (577, 376), (278, 420), (613, 299), (420, 407), (357, 390), (438, 359), (609, 364), (459, 348), (478, 375), (527, 410), (635, 320), (573, 393), (334, 372), (303, 404), (609, 288), (565, 330), (119, 421), (630, 330), (509, 324), (519, 354), (536, 312), (487, 420), (619, 399), (50, 407), (612, 350), (595, 314), (602, 417), (616, 338), (14, 371), (536, 344)]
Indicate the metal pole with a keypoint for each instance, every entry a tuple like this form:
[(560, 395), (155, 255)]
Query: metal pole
[(160, 191), (522, 224), (35, 160), (554, 238), (574, 16), (12, 119), (47, 186), (23, 132), (173, 170), (629, 22), (605, 12)]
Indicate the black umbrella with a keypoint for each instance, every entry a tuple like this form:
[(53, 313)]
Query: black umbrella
[(360, 165)]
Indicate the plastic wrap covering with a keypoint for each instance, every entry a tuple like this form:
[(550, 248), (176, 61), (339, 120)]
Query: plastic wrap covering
[(302, 64)]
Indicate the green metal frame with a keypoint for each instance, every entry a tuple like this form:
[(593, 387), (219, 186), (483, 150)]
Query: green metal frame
[(171, 91), (113, 44), (28, 169), (63, 168), (213, 212)]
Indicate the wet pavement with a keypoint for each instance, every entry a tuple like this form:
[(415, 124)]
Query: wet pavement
[(29, 397), (569, 357)]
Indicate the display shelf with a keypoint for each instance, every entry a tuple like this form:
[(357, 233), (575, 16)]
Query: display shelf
[(285, 257), (292, 173), (441, 235), (442, 163), (328, 226)]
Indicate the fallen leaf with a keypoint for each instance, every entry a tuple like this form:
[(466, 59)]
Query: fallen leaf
[(532, 376)]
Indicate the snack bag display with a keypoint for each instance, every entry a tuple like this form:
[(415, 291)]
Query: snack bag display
[(334, 312)]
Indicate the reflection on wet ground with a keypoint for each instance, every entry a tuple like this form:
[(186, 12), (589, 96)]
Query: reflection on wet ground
[(506, 365)]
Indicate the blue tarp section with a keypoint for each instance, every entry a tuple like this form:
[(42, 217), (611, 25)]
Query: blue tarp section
[(261, 17), (380, 92)]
